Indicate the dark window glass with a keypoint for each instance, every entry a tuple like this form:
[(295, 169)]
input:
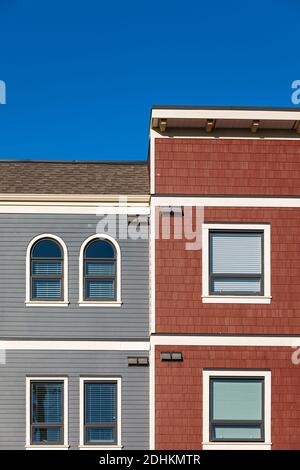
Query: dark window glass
[(100, 414), (46, 270), (47, 412), (99, 271)]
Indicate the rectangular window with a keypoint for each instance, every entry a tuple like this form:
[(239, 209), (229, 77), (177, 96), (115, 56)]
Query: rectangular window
[(236, 263), (236, 411), (101, 412), (47, 411)]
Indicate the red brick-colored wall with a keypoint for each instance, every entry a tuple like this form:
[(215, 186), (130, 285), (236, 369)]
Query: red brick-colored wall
[(179, 392), (227, 166), (179, 307)]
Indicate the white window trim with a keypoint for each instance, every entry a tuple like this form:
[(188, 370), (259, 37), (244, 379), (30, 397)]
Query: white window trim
[(207, 444), (88, 303), (82, 445), (42, 303), (28, 444), (236, 299)]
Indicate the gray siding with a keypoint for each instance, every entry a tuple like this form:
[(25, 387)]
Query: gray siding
[(135, 391), (16, 320)]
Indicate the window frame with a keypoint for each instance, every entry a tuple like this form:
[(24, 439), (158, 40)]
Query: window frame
[(83, 300), (87, 277), (213, 276), (29, 425), (233, 297), (209, 442), (45, 302), (82, 403), (231, 422)]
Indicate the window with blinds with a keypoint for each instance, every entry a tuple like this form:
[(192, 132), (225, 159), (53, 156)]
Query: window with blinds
[(236, 409), (46, 270), (99, 271), (236, 262), (47, 422), (100, 413)]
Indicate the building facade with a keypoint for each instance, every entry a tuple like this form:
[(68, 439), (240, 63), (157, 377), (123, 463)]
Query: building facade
[(74, 314), (225, 319)]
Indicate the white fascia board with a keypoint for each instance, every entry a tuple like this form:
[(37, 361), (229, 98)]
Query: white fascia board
[(225, 114), (62, 208), (74, 345), (226, 201), (224, 340)]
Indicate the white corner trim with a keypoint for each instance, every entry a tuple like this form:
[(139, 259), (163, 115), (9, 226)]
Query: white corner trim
[(82, 380), (266, 375), (236, 299), (99, 304), (100, 236), (65, 265), (152, 397), (152, 160), (46, 304), (152, 268), (206, 297), (65, 445)]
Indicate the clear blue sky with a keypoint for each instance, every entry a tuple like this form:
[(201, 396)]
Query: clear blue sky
[(81, 76)]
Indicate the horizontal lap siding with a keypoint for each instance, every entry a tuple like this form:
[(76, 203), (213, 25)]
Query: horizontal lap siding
[(130, 320), (179, 307), (227, 166), (179, 392), (135, 391)]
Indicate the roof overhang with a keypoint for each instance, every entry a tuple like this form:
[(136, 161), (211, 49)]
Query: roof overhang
[(211, 119)]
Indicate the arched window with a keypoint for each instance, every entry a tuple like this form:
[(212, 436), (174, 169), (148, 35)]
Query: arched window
[(100, 260), (46, 270)]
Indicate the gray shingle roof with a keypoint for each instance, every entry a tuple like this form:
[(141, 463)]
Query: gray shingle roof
[(73, 177)]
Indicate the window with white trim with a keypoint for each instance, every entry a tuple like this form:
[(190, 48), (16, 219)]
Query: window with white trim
[(47, 412), (47, 271), (100, 412), (236, 407), (100, 272), (236, 263)]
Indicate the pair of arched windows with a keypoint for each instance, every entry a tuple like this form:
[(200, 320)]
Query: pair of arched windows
[(47, 270)]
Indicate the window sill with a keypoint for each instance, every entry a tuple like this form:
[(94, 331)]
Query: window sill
[(88, 447), (47, 447), (99, 304), (236, 445), (46, 304), (236, 299)]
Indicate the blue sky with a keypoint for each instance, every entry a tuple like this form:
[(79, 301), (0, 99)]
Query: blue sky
[(81, 76)]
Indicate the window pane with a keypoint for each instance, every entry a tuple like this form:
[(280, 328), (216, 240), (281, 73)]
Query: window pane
[(237, 432), (100, 289), (46, 435), (100, 403), (100, 269), (46, 249), (46, 288), (94, 435), (224, 285), (46, 399), (40, 267), (237, 399), (236, 253), (99, 249)]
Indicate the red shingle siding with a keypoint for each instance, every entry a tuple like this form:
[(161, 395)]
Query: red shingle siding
[(207, 166), (179, 307), (179, 392)]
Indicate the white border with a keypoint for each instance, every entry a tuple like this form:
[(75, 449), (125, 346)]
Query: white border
[(232, 299), (28, 444), (42, 303), (237, 114), (226, 201), (266, 445), (115, 303), (73, 345), (82, 380)]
